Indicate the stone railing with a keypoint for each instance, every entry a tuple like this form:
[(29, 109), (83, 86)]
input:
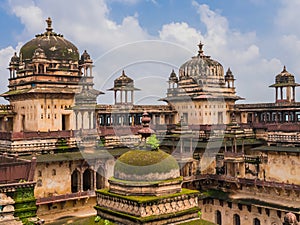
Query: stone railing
[(284, 137), (65, 197), (144, 209), (6, 107)]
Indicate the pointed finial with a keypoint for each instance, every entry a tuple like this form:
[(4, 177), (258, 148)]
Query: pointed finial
[(284, 69), (123, 73), (200, 51), (229, 72), (49, 25)]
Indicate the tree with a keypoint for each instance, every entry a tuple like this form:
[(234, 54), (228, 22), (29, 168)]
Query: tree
[(153, 142)]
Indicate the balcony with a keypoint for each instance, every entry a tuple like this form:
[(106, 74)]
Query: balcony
[(65, 197)]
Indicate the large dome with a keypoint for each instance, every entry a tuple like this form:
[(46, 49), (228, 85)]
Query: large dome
[(142, 165), (55, 46), (202, 69)]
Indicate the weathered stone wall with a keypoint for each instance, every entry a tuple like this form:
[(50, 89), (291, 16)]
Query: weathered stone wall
[(42, 114), (283, 167), (206, 112), (246, 213), (53, 178)]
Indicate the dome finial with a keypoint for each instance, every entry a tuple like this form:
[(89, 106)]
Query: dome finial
[(284, 69), (200, 51), (49, 25)]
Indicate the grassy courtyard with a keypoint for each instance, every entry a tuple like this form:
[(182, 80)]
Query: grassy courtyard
[(91, 221)]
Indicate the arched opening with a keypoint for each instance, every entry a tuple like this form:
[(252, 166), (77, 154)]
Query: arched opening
[(100, 178), (75, 181), (236, 219), (218, 219), (256, 221), (88, 180)]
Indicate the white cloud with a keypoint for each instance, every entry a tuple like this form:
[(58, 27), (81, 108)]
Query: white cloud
[(90, 27), (181, 33), (231, 48)]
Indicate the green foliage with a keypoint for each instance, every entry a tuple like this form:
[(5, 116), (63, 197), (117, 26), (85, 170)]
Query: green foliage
[(62, 144), (153, 142), (106, 222), (25, 204), (101, 142), (215, 194), (97, 219), (199, 214)]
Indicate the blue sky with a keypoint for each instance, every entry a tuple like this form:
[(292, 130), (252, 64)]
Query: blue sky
[(149, 38)]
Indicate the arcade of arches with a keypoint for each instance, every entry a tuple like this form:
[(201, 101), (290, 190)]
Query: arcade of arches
[(87, 180)]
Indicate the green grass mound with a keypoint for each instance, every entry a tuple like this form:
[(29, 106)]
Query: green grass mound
[(139, 164)]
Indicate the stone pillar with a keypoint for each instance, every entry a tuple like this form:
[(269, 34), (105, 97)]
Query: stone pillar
[(191, 146), (288, 93), (294, 94), (95, 179), (76, 120), (81, 181), (89, 119), (82, 115)]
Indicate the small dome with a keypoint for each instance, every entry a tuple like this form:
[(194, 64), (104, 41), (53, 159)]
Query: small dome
[(55, 46), (123, 81), (285, 77), (202, 68), (173, 77), (290, 218), (229, 75), (140, 165), (15, 59), (85, 57), (39, 54)]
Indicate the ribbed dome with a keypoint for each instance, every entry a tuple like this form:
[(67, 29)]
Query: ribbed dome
[(141, 165), (202, 68), (55, 46)]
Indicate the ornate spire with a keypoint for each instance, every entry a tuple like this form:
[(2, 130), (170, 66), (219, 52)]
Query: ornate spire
[(49, 26), (200, 51), (146, 131)]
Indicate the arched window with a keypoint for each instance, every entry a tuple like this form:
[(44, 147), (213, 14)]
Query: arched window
[(88, 180), (218, 219), (75, 181), (100, 178), (236, 219), (256, 221)]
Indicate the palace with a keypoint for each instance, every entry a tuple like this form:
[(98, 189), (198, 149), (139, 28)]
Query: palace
[(244, 159)]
